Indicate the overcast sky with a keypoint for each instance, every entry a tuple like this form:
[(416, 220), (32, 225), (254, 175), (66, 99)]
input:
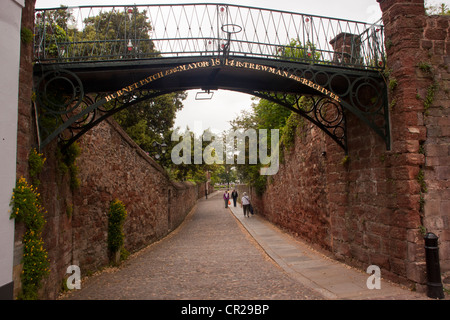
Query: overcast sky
[(225, 105)]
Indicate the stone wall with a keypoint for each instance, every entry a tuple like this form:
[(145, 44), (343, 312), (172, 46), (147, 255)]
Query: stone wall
[(297, 197), (436, 44), (366, 209), (372, 207), (111, 166), (26, 129)]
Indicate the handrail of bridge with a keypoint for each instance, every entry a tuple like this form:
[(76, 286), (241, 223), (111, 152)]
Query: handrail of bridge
[(103, 33)]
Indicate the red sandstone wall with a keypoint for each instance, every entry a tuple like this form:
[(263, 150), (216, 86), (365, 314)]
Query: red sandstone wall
[(365, 212), (26, 132), (435, 42), (26, 128), (371, 210), (111, 166), (297, 197)]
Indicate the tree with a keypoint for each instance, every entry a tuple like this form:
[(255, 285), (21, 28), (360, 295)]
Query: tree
[(438, 9), (270, 115), (224, 174), (151, 120), (53, 32), (115, 33), (296, 51), (127, 32), (104, 36)]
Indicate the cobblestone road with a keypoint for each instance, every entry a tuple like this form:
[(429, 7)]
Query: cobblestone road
[(211, 256)]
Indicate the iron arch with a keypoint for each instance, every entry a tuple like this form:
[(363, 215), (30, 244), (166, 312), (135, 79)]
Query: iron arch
[(327, 88)]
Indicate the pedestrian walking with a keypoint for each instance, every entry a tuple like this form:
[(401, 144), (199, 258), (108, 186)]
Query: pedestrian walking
[(245, 204), (226, 197), (234, 195)]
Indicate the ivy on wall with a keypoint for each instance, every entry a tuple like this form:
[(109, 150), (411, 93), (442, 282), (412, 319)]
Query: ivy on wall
[(67, 163), (116, 217)]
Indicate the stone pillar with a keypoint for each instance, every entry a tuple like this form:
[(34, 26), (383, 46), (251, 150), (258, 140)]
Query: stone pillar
[(414, 68), (347, 48), (10, 22)]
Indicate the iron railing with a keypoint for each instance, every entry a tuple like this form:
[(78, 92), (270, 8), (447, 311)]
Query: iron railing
[(92, 33)]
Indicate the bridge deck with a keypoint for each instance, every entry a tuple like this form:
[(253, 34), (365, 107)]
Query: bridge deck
[(108, 76), (105, 33)]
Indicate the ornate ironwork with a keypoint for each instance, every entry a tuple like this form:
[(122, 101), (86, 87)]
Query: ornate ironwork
[(305, 52), (72, 34), (71, 126), (325, 113)]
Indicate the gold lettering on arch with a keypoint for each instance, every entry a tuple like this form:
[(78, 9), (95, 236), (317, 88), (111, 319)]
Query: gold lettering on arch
[(214, 62)]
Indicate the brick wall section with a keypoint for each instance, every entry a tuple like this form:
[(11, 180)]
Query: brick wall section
[(418, 54), (26, 126), (370, 210), (367, 211), (303, 207), (436, 44), (111, 166), (26, 130)]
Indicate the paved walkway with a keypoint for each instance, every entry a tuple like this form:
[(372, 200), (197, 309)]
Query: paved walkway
[(217, 254), (209, 257), (330, 278)]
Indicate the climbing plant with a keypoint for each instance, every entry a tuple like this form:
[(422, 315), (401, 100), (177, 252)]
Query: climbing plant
[(116, 217), (67, 163), (27, 208), (36, 163)]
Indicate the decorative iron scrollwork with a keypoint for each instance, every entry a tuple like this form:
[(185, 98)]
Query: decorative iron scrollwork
[(64, 112), (325, 113)]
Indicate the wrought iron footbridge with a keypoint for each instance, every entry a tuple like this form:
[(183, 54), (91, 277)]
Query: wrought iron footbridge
[(93, 61)]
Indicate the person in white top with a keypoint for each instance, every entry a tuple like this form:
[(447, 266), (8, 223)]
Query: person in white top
[(245, 204)]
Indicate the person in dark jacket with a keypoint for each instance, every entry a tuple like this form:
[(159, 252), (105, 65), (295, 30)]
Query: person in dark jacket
[(234, 195)]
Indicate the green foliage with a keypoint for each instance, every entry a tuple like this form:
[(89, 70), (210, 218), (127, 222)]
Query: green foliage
[(223, 174), (270, 115), (26, 35), (422, 230), (425, 67), (59, 36), (296, 51), (116, 217), (437, 9), (26, 208), (54, 26), (186, 171), (151, 120), (35, 264), (68, 164), (289, 131), (431, 91), (26, 205), (265, 115), (421, 181), (392, 84), (345, 160), (36, 163), (259, 182), (112, 26)]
